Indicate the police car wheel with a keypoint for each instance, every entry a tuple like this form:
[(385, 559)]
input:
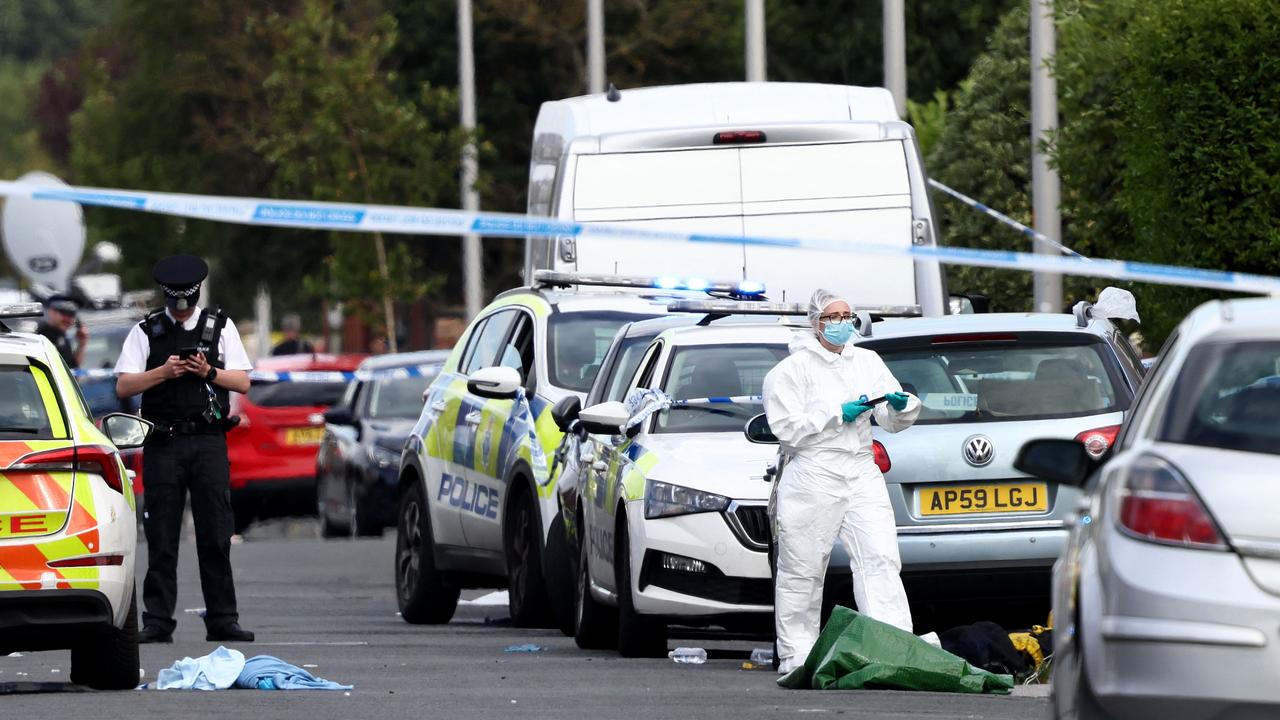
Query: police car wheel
[(639, 636), (109, 660), (422, 593), (595, 625), (558, 569), (526, 587)]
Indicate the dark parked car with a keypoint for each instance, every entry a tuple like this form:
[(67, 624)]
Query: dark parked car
[(107, 331), (357, 469)]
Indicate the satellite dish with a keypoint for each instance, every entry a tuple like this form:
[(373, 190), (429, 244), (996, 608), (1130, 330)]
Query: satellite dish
[(44, 239)]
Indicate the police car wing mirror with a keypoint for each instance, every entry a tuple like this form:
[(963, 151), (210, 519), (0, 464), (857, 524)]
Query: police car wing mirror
[(126, 431), (757, 431), (339, 415), (566, 411), (608, 418), (1062, 461), (495, 383)]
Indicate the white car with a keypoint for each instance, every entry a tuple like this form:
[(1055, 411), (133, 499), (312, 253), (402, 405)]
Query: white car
[(669, 503)]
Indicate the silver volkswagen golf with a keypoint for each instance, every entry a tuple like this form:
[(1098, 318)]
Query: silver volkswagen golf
[(1167, 600)]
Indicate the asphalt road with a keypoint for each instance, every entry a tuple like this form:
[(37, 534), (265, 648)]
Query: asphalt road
[(331, 604)]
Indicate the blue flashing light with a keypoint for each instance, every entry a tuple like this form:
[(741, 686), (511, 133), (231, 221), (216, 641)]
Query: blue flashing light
[(667, 282), (696, 284), (751, 287)]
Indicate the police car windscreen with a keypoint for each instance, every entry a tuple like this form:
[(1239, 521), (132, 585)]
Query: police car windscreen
[(296, 394), (22, 411), (577, 343), (1227, 396), (397, 399), (1007, 380), (708, 377)]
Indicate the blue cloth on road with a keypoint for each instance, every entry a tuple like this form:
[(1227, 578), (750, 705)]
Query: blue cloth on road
[(216, 671), (527, 648), (265, 672)]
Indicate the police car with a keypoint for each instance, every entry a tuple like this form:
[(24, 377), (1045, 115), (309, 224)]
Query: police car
[(670, 508), (476, 493), (67, 526)]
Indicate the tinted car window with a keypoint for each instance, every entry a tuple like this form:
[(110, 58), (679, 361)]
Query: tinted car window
[(577, 343), (23, 415), (716, 372), (1227, 396), (296, 394), (487, 340), (399, 398), (999, 381), (630, 353), (104, 345)]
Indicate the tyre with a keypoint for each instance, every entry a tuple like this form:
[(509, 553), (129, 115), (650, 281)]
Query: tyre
[(558, 570), (526, 585), (424, 595), (595, 625), (639, 636), (330, 528), (109, 660), (362, 522)]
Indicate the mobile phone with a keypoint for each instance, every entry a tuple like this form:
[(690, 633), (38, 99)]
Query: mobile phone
[(186, 352), (873, 401)]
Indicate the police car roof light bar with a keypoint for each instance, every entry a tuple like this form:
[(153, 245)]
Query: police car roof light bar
[(555, 278), (19, 310)]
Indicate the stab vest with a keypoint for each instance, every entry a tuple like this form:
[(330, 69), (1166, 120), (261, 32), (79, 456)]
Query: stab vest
[(186, 397)]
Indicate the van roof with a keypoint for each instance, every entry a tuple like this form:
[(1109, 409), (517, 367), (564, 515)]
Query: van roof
[(710, 104)]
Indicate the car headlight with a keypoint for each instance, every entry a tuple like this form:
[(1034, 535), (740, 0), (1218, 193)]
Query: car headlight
[(665, 500), (383, 457)]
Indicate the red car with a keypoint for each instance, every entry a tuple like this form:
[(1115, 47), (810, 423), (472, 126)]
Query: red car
[(273, 449)]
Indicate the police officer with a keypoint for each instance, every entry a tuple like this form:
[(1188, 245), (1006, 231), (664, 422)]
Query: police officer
[(185, 361), (59, 317)]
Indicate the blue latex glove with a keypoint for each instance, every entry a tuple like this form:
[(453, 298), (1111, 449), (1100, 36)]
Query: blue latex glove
[(897, 400), (851, 410)]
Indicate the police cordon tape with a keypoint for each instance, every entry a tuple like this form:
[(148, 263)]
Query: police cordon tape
[(1001, 217), (437, 221), (313, 376)]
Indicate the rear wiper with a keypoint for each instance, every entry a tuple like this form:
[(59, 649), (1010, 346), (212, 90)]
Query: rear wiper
[(26, 430)]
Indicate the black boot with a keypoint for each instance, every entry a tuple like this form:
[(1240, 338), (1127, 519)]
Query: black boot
[(153, 634), (231, 631)]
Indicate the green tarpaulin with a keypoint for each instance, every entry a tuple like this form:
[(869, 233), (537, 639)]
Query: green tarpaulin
[(855, 652)]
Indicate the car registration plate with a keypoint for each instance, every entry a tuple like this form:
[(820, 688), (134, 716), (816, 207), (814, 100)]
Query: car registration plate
[(303, 436), (972, 499)]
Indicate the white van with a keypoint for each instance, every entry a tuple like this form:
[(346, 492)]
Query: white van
[(755, 159)]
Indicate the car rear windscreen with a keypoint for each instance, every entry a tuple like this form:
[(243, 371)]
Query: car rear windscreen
[(400, 398), (1227, 396), (1007, 380), (22, 411), (296, 394), (720, 371)]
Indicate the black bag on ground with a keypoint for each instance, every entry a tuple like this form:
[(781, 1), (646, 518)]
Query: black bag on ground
[(985, 645)]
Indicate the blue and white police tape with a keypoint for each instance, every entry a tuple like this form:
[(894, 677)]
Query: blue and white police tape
[(436, 221), (723, 400), (312, 376), (1001, 217)]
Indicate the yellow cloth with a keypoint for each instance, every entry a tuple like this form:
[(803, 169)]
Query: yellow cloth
[(1028, 645)]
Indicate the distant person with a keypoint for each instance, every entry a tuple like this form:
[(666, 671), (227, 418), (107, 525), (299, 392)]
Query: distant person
[(59, 317), (378, 345), (293, 344)]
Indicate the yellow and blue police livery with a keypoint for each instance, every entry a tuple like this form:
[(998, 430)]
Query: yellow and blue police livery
[(68, 532), (477, 493)]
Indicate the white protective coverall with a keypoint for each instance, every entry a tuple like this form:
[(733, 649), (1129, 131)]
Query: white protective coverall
[(831, 487)]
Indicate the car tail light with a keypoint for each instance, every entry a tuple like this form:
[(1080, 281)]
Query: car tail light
[(881, 455), (91, 561), (738, 137), (1099, 440), (1158, 505), (96, 459)]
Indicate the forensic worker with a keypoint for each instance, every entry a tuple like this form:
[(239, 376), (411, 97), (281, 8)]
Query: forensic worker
[(59, 317), (830, 486), (185, 361)]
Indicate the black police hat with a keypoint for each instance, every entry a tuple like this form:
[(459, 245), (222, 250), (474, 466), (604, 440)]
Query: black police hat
[(64, 304), (180, 277)]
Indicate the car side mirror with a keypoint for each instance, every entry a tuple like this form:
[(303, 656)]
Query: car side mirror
[(566, 411), (608, 418), (126, 431), (339, 415), (1061, 461), (758, 431), (495, 383)]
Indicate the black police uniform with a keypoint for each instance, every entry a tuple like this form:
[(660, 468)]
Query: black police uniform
[(187, 452), (59, 340)]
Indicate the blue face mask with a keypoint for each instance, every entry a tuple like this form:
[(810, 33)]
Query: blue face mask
[(837, 333)]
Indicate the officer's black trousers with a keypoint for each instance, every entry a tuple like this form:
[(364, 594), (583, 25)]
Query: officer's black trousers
[(172, 466)]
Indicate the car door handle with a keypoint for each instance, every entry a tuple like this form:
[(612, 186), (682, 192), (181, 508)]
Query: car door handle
[(599, 466), (473, 417), (438, 406)]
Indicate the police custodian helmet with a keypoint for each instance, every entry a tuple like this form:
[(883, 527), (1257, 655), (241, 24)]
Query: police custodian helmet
[(179, 276)]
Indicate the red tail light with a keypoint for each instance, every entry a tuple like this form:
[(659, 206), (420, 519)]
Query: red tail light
[(91, 561), (738, 137), (881, 455), (1099, 440), (1157, 505), (96, 459)]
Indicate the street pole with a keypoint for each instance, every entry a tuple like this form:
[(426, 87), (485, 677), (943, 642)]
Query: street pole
[(1046, 191), (595, 46), (755, 41), (895, 53), (470, 169)]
